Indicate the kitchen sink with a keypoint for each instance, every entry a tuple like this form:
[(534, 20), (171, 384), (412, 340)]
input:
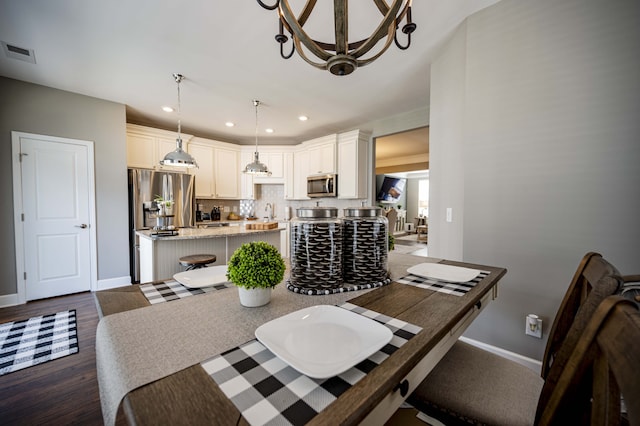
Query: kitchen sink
[(212, 225)]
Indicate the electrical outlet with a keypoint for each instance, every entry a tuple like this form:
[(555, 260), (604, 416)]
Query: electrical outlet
[(533, 326)]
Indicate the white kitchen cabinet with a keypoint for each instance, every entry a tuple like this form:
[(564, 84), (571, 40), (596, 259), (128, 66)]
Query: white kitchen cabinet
[(353, 155), (322, 156), (285, 237), (203, 154), (140, 151), (300, 173), (218, 173), (288, 176), (247, 186), (146, 146), (227, 173), (274, 160)]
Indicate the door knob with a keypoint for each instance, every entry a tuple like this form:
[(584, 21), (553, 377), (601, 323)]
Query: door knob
[(83, 226)]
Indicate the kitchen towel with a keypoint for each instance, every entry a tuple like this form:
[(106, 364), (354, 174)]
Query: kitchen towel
[(173, 290), (457, 289), (267, 390)]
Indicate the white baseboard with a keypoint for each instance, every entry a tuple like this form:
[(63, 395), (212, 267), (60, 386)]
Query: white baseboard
[(531, 363), (113, 283), (8, 300)]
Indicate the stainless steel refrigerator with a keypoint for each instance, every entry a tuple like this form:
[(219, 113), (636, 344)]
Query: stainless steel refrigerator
[(147, 185)]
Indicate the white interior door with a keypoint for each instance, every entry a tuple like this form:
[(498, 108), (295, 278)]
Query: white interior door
[(56, 223)]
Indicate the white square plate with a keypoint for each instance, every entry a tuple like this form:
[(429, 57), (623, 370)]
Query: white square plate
[(323, 341), (438, 271), (202, 277)]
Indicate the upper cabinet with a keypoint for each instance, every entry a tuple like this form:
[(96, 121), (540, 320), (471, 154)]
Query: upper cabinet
[(247, 186), (146, 146), (218, 172), (227, 173), (220, 176), (288, 176), (273, 158), (203, 154), (322, 155), (353, 156), (300, 173)]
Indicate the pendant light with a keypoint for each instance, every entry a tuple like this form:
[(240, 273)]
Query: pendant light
[(179, 157), (257, 168)]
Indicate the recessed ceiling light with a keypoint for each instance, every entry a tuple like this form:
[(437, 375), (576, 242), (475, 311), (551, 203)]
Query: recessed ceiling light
[(229, 124), (268, 130), (303, 118), (167, 109)]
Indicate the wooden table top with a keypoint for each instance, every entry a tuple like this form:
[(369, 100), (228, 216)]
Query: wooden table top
[(170, 400)]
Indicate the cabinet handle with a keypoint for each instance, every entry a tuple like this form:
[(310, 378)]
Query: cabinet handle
[(83, 226), (403, 386)]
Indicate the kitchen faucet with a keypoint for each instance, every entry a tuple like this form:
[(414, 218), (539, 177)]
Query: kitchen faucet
[(269, 208)]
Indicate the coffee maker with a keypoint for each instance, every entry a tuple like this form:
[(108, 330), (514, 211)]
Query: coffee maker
[(215, 213)]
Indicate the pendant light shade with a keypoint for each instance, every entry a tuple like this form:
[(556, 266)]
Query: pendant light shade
[(179, 157), (256, 167)]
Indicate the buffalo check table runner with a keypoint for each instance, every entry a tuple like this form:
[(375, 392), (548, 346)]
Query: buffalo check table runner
[(457, 289), (267, 391), (173, 290)]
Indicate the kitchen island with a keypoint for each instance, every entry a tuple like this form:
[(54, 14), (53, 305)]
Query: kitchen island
[(159, 255)]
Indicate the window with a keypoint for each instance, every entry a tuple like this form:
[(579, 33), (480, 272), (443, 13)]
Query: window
[(423, 197)]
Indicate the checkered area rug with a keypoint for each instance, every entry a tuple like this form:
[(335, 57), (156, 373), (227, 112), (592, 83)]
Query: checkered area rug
[(457, 289), (173, 290), (267, 391), (37, 340)]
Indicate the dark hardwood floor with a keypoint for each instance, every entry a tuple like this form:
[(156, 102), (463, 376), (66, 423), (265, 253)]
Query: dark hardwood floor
[(63, 391)]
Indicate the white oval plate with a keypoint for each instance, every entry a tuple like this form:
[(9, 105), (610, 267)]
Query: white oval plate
[(438, 271), (202, 277), (323, 341)]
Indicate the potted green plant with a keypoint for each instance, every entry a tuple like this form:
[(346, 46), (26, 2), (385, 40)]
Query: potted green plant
[(165, 206), (392, 242), (255, 268)]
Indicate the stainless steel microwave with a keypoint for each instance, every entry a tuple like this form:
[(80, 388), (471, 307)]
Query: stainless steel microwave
[(322, 185)]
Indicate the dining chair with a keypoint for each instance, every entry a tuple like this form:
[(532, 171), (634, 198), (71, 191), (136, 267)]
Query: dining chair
[(392, 217), (600, 382), (472, 385)]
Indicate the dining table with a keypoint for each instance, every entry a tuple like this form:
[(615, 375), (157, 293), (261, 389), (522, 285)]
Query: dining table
[(155, 361)]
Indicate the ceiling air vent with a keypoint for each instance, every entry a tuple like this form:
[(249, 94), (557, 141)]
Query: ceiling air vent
[(16, 52)]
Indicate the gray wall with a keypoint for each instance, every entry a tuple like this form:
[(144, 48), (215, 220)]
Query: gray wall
[(412, 199), (37, 109), (535, 140)]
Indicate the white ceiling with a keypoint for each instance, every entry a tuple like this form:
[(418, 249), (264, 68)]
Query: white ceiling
[(125, 51)]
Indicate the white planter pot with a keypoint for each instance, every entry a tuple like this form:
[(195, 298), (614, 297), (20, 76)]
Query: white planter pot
[(254, 297)]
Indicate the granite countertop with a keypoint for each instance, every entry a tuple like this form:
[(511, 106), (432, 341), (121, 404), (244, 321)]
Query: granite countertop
[(213, 232)]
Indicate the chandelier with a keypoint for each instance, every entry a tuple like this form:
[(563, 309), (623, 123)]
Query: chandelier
[(178, 157), (341, 57)]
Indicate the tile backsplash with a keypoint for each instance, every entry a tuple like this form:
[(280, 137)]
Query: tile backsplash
[(274, 195)]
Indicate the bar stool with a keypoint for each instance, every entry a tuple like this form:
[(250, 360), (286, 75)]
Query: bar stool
[(196, 261)]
